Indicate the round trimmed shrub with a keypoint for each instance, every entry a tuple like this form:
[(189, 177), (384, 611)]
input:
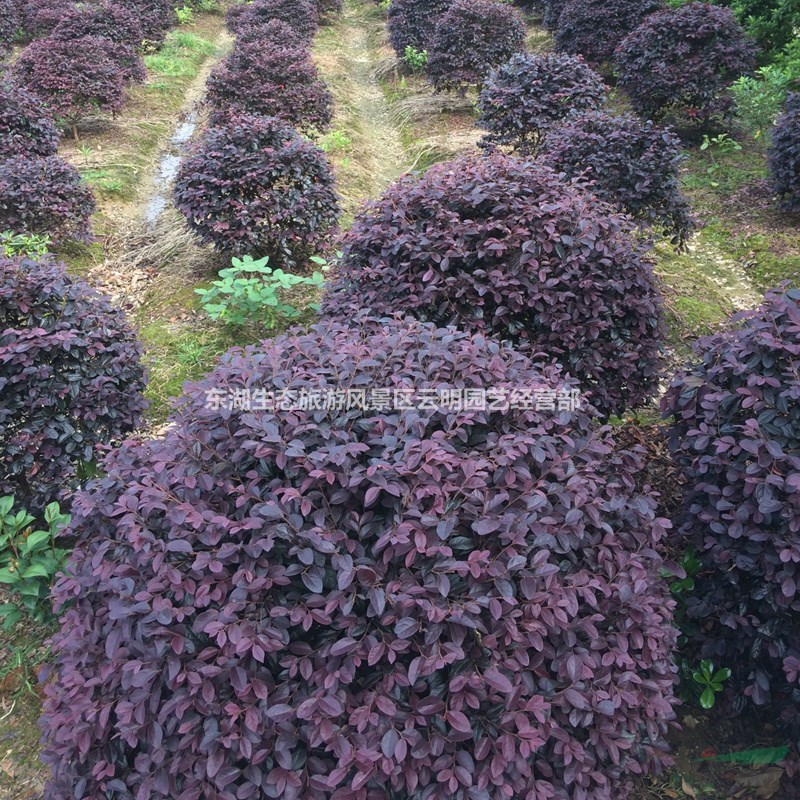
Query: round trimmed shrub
[(412, 23), (9, 24), (521, 99), (25, 126), (273, 81), (300, 15), (45, 196), (631, 163), (735, 430), (681, 60), (470, 39), (273, 33), (39, 18), (784, 156), (114, 23), (155, 16), (346, 603), (74, 78), (255, 187), (594, 28), (70, 379), (503, 246)]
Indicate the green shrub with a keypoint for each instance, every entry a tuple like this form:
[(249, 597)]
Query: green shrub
[(21, 244), (29, 560), (416, 59), (251, 293), (760, 98)]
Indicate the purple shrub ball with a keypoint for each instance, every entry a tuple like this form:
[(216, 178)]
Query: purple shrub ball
[(631, 163), (594, 28), (25, 126), (503, 246), (156, 17), (471, 38), (316, 605), (10, 22), (73, 78), (254, 186), (412, 23), (784, 156), (300, 15), (273, 81), (273, 33), (681, 60), (45, 196), (735, 431), (527, 94), (71, 379), (38, 18)]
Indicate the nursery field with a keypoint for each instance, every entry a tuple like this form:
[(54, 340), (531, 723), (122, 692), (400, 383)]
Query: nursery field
[(244, 555)]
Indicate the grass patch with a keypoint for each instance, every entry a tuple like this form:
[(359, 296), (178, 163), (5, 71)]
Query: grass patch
[(180, 56)]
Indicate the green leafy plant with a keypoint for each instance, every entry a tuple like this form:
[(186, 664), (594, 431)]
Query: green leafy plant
[(185, 15), (709, 682), (21, 244), (759, 98), (416, 59), (335, 141), (251, 293), (690, 564), (718, 147), (29, 560)]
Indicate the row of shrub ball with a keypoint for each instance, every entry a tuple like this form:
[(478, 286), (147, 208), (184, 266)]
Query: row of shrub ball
[(254, 183), (345, 603), (78, 60)]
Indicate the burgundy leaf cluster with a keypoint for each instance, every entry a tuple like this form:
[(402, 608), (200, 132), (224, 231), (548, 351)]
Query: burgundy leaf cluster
[(412, 23), (114, 23), (503, 246), (45, 196), (38, 18), (25, 126), (680, 61), (526, 95), (735, 430), (784, 156), (552, 13), (10, 23), (594, 28), (73, 77), (267, 78), (349, 604), (631, 163), (253, 185), (70, 378), (470, 39), (274, 33), (156, 17), (300, 15)]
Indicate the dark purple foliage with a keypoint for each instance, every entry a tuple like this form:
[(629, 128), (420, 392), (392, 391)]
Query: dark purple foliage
[(301, 15), (594, 28), (25, 126), (117, 25), (45, 196), (272, 33), (471, 38), (521, 99), (10, 22), (70, 378), (552, 13), (784, 156), (736, 431), (347, 604), (73, 77), (39, 18), (502, 246), (631, 163), (255, 186), (155, 16), (108, 19), (680, 60), (273, 81), (412, 23)]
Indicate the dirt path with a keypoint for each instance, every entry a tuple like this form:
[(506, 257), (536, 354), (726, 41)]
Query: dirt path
[(366, 144)]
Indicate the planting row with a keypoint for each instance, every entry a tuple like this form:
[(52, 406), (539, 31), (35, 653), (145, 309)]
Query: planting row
[(78, 61), (255, 184)]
